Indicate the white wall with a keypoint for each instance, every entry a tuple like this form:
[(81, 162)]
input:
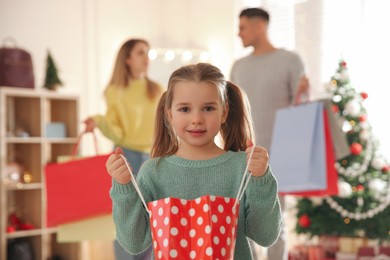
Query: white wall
[(85, 35)]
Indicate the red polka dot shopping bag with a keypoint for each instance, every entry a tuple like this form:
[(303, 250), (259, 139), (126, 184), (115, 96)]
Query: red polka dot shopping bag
[(203, 228)]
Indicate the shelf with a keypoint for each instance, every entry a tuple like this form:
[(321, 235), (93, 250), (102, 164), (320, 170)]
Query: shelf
[(24, 186), (27, 117), (23, 140), (24, 233)]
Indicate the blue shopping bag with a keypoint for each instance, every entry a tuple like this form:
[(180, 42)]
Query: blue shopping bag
[(298, 148)]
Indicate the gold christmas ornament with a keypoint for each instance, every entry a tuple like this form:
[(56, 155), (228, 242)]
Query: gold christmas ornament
[(347, 220), (27, 177)]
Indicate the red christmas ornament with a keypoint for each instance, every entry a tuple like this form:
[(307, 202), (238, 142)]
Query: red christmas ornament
[(343, 64), (385, 169), (360, 187), (304, 221), (356, 148), (364, 95), (363, 118), (335, 108)]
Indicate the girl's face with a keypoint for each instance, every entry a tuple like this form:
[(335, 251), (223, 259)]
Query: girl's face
[(196, 114), (138, 59)]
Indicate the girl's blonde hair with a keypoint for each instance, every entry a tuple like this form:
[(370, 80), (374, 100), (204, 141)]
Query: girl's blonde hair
[(121, 72), (236, 130)]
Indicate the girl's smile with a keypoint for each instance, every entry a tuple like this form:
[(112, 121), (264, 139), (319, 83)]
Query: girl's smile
[(197, 132)]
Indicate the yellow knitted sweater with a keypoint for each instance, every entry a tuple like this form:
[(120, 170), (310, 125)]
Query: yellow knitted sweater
[(129, 120)]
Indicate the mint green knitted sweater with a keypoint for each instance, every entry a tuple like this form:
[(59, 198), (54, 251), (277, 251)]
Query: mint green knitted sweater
[(172, 176)]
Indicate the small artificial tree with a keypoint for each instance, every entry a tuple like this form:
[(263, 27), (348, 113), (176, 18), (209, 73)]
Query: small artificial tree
[(52, 81), (361, 208)]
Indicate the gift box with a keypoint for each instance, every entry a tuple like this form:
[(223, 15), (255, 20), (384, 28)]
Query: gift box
[(346, 256), (351, 244)]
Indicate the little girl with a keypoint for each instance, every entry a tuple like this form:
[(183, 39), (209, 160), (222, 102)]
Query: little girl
[(186, 162)]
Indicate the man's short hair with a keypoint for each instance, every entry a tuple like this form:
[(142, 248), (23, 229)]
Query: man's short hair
[(255, 13)]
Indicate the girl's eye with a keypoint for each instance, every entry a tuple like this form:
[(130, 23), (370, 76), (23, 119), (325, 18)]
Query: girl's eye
[(184, 109), (209, 108)]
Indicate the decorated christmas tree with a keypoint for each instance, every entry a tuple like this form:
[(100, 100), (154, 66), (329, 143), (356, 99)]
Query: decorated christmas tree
[(52, 81), (361, 208)]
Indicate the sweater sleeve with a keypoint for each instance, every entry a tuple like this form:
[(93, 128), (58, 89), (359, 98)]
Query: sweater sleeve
[(110, 124), (263, 221), (130, 216), (296, 71)]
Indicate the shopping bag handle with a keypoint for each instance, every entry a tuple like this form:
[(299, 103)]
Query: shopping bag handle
[(77, 145), (134, 182), (245, 178), (241, 190)]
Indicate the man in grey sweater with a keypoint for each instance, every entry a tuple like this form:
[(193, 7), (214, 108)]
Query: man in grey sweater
[(272, 78)]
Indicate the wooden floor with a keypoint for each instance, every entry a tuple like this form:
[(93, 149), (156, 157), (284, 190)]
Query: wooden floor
[(97, 250)]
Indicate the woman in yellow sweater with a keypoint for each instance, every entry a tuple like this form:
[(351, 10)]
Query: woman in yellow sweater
[(131, 99)]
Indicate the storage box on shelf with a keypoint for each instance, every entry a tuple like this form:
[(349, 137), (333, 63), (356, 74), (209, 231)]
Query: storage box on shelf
[(26, 147)]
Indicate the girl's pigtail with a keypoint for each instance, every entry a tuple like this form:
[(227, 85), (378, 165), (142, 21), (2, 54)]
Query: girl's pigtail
[(238, 127), (165, 142)]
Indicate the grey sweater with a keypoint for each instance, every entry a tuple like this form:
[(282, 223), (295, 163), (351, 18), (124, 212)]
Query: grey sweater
[(172, 176), (270, 81)]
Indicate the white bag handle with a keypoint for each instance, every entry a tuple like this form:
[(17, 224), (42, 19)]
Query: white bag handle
[(245, 178), (241, 190), (135, 184)]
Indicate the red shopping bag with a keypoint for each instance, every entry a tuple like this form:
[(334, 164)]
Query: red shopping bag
[(77, 189), (331, 173), (203, 228)]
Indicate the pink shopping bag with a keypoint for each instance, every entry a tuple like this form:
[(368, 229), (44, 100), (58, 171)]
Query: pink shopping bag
[(203, 228)]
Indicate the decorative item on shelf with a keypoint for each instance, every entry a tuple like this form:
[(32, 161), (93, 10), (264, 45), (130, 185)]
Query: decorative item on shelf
[(16, 223), (55, 130), (16, 66), (20, 132), (27, 177), (13, 173), (52, 81)]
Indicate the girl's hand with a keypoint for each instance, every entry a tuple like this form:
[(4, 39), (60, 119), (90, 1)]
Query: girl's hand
[(116, 167), (259, 162)]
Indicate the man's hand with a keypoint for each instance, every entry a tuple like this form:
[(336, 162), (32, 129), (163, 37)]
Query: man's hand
[(302, 89)]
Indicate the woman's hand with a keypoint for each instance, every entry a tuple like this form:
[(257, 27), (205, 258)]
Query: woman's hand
[(116, 167), (259, 163), (90, 124)]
